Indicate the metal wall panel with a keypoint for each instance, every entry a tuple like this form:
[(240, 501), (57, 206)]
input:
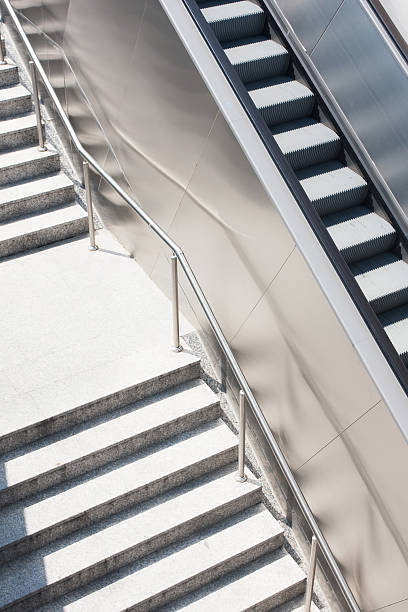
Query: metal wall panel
[(309, 18)]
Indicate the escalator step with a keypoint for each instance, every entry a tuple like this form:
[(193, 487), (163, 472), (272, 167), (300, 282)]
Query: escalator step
[(384, 281), (359, 233), (234, 20), (281, 99), (395, 323), (306, 142), (332, 187), (257, 58)]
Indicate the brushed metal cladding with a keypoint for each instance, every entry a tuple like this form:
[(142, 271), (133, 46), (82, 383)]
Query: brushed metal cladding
[(358, 462), (309, 18), (55, 17), (295, 353), (242, 242)]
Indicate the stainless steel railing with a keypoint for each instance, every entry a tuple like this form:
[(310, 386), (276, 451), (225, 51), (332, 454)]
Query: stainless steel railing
[(178, 257)]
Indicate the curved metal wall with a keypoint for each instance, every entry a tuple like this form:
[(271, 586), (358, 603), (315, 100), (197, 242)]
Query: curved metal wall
[(196, 165)]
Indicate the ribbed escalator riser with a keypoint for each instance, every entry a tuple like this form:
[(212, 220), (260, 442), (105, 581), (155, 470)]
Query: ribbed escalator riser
[(235, 20)]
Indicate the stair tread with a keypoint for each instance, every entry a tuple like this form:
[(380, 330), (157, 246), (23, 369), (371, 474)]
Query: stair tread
[(8, 67), (12, 92), (28, 463), (40, 220), (301, 134), (381, 275), (263, 578), (278, 90), (139, 526), (37, 186), (333, 179), (145, 583), (253, 51), (102, 381), (15, 124), (355, 226), (231, 10), (22, 156), (55, 508)]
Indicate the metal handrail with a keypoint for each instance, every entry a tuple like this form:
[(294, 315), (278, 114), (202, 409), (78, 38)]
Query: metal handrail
[(178, 253)]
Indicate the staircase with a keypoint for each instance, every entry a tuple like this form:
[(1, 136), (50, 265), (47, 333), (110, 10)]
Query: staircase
[(128, 500), (363, 235), (37, 200)]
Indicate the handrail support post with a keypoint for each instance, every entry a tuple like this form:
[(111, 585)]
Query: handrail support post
[(311, 574), (2, 58), (89, 207), (41, 143), (176, 347), (240, 476)]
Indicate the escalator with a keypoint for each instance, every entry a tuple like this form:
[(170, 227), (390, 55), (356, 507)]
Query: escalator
[(331, 177)]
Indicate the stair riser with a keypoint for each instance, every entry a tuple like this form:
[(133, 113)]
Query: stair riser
[(240, 27), (100, 406), (341, 201), (123, 448), (20, 138), (143, 549), (287, 111), (43, 237), (15, 106), (9, 77), (262, 69), (390, 301), (43, 201), (200, 580), (314, 155), (119, 504), (30, 169), (280, 598), (369, 249)]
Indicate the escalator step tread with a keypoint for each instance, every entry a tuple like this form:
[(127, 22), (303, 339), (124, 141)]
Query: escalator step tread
[(384, 281), (257, 59), (332, 187), (359, 233), (235, 19), (395, 323), (307, 142), (282, 99)]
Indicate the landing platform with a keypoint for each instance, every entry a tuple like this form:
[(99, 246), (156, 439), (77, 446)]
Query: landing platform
[(73, 322)]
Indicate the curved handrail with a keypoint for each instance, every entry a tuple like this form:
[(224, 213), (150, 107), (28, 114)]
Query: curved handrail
[(279, 456)]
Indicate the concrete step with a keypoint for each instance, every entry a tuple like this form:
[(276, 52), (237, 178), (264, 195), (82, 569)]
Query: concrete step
[(27, 163), (332, 187), (384, 281), (257, 58), (77, 560), (98, 442), (296, 605), (307, 142), (42, 228), (61, 510), (262, 585), (37, 194), (360, 233), (8, 75), (18, 132), (99, 390), (281, 99), (14, 100), (234, 20), (160, 579)]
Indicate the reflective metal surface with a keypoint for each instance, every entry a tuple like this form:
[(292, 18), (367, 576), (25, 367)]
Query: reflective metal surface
[(161, 133)]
